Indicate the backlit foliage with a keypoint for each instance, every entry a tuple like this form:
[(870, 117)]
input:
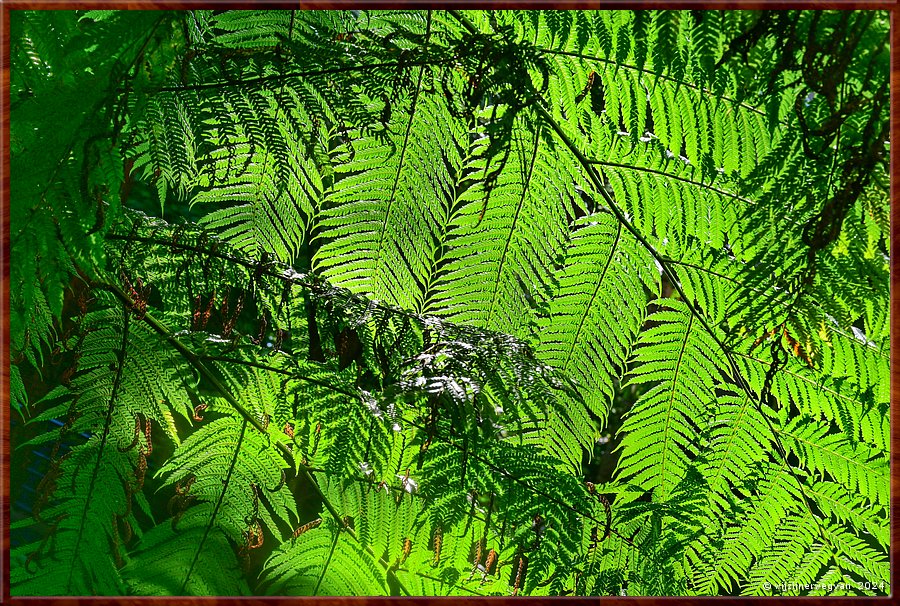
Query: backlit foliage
[(338, 303)]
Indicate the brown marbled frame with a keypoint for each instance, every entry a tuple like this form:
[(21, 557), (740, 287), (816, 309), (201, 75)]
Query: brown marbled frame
[(7, 5)]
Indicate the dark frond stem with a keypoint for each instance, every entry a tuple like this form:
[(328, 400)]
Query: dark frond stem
[(251, 265), (117, 381), (191, 357), (673, 278), (301, 280), (671, 176), (315, 340), (464, 21), (282, 371)]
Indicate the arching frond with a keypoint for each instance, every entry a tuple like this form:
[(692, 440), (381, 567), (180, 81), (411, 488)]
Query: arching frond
[(438, 302)]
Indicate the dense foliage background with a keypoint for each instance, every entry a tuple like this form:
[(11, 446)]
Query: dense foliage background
[(437, 302)]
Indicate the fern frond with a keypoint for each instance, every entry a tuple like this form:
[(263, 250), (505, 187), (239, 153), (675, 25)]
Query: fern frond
[(420, 271), (793, 539), (774, 498), (676, 355), (225, 444), (576, 335), (85, 520), (858, 467), (159, 561), (320, 563), (376, 223)]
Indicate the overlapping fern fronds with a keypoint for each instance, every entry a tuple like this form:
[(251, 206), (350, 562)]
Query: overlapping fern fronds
[(410, 259)]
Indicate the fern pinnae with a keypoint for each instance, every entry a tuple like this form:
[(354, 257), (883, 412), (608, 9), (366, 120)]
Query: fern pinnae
[(736, 375), (867, 474), (512, 228), (590, 304), (334, 542), (743, 422), (403, 148), (861, 514), (399, 179), (106, 428), (212, 518), (247, 416), (674, 177)]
